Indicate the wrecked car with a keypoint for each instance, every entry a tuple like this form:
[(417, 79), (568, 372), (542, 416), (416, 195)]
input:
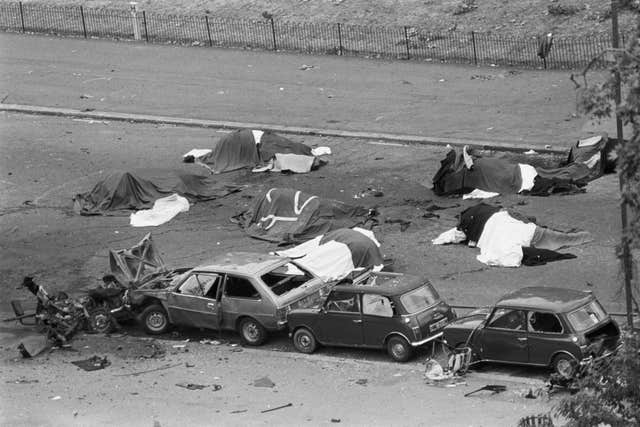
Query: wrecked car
[(539, 326), (378, 310), (250, 293)]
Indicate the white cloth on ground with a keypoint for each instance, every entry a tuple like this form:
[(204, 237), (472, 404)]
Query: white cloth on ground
[(198, 152), (257, 136), (163, 210), (528, 174), (450, 236), (320, 151), (480, 194), (502, 240), (298, 163)]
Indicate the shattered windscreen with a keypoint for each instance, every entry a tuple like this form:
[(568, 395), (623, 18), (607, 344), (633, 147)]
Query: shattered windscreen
[(587, 316), (286, 277), (419, 299)]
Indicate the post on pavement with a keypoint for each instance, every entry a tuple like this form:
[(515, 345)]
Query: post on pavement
[(626, 253), (134, 19)]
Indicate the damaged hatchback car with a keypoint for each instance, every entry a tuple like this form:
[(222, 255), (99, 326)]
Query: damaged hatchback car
[(539, 326), (250, 293), (394, 311)]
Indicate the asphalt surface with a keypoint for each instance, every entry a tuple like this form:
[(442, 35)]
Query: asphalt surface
[(345, 94)]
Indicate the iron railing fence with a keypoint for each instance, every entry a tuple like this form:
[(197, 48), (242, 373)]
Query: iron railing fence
[(312, 38)]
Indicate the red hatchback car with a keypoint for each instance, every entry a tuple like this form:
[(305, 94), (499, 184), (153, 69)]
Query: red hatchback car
[(541, 326)]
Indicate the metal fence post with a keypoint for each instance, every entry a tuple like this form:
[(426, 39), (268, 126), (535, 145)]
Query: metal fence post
[(340, 39), (206, 20), (473, 42), (84, 26), (21, 16), (406, 42), (134, 20), (144, 21), (273, 33)]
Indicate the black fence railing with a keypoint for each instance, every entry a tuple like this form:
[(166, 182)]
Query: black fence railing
[(313, 38)]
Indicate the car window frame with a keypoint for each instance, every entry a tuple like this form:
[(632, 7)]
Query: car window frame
[(249, 279), (531, 331), (392, 306), (355, 295), (495, 309), (195, 274)]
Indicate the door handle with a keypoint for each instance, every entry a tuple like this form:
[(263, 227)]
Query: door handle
[(357, 321), (211, 305), (522, 339)]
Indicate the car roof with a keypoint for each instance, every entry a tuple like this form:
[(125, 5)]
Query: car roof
[(247, 263), (386, 285), (559, 300)]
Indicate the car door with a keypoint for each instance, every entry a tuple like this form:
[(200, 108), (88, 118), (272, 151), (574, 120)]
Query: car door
[(546, 336), (340, 321), (504, 336), (195, 302), (242, 297), (377, 319)]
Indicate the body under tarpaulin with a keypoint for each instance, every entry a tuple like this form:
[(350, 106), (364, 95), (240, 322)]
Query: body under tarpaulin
[(286, 215), (338, 253), (139, 189), (251, 148)]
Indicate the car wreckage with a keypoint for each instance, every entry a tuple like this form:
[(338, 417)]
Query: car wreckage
[(539, 326)]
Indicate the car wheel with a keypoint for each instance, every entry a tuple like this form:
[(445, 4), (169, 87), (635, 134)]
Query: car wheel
[(155, 319), (399, 349), (252, 332), (100, 321), (564, 365), (304, 341)]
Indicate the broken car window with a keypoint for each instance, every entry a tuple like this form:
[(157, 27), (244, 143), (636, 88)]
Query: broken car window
[(200, 285), (343, 302), (239, 287), (376, 305), (587, 316), (544, 322), (507, 318), (419, 299), (285, 277)]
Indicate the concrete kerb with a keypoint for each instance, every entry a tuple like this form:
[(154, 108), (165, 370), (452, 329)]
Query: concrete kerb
[(297, 130)]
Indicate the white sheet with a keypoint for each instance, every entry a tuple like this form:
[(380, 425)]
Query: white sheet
[(480, 194), (257, 136), (297, 163), (198, 152), (163, 210), (320, 151), (502, 240), (528, 174)]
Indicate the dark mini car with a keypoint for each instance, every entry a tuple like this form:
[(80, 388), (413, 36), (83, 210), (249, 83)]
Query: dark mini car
[(378, 310), (541, 326)]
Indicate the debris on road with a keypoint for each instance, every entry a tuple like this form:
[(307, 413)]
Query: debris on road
[(277, 407), (263, 382), (493, 388), (192, 386), (161, 368), (93, 363)]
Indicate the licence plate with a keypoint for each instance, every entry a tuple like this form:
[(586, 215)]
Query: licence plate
[(438, 325)]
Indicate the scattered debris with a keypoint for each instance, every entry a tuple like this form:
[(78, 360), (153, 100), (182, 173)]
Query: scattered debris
[(93, 363), (362, 381), (493, 388), (263, 382), (305, 67), (56, 398), (404, 224), (210, 342), (85, 96), (369, 192), (530, 152), (239, 411), (277, 407), (192, 386), (21, 381), (335, 420), (189, 365), (134, 374)]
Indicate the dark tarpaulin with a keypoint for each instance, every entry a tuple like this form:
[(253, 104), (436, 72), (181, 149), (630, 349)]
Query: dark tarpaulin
[(126, 191), (365, 252), (239, 150), (285, 215)]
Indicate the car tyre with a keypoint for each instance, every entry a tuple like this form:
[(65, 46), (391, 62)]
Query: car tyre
[(399, 349), (252, 332), (304, 341), (101, 321), (564, 365), (154, 319)]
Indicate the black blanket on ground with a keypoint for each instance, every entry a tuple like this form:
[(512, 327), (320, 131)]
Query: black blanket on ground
[(126, 191), (239, 150), (284, 215)]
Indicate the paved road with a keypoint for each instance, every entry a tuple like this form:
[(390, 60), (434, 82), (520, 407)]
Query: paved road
[(341, 93)]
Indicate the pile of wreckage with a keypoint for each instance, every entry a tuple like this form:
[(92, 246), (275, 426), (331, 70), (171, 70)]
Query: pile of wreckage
[(334, 247)]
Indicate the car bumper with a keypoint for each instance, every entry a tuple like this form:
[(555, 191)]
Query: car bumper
[(426, 340)]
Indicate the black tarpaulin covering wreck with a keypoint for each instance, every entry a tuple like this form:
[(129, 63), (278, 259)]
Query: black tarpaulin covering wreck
[(461, 173), (254, 148), (338, 253), (127, 191), (508, 239), (285, 215)]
